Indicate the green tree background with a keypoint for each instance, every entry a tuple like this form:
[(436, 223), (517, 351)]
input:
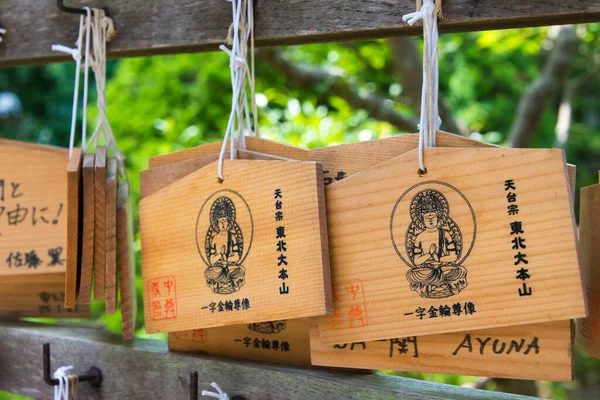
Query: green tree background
[(502, 87)]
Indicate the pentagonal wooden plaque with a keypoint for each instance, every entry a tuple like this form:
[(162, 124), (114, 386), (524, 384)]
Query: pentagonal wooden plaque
[(250, 249), (537, 351), (588, 329), (421, 234), (283, 341), (256, 144)]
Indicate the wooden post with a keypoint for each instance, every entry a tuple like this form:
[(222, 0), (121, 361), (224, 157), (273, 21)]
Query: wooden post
[(131, 370), (167, 27)]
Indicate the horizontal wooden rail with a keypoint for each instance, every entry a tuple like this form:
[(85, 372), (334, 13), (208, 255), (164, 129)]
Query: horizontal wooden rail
[(145, 369), (148, 27)]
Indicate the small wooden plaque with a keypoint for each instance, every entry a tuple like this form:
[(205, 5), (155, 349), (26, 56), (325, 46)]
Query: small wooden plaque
[(255, 144), (111, 235), (285, 342), (192, 280), (99, 223), (33, 202), (126, 261), (74, 225), (37, 295), (371, 223), (89, 216), (588, 329), (538, 351)]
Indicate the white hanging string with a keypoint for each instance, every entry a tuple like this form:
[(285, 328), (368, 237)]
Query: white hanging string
[(240, 31), (66, 379), (102, 30), (2, 33), (430, 121), (221, 395), (86, 73), (76, 54)]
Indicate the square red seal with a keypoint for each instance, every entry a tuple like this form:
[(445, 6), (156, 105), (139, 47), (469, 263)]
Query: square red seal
[(354, 313), (195, 335), (162, 297)]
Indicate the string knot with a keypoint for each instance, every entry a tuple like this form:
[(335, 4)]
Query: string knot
[(221, 395), (428, 9)]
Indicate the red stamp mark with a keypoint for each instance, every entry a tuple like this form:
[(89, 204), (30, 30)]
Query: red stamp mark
[(163, 298), (349, 306), (590, 327), (195, 335)]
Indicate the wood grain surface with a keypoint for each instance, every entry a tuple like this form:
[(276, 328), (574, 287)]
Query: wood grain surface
[(89, 217), (111, 235), (33, 203), (255, 144), (359, 238), (284, 342), (538, 352), (99, 222), (588, 329), (171, 249), (166, 27), (38, 295), (145, 366), (74, 227), (126, 261)]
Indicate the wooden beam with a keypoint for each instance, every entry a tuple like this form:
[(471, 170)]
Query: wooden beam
[(132, 370), (167, 27)]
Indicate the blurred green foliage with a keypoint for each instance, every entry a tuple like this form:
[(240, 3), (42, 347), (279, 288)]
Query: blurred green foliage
[(157, 105)]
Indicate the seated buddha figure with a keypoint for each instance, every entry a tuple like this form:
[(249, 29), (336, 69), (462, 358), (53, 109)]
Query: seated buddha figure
[(224, 248), (434, 243)]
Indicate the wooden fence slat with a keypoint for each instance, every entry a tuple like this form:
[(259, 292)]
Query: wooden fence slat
[(136, 370), (167, 27)]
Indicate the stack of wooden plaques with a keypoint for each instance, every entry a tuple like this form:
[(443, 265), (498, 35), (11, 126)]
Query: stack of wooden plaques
[(33, 231), (588, 329), (392, 312), (99, 249)]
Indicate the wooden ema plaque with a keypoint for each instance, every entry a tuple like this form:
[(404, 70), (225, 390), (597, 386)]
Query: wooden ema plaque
[(33, 199), (255, 144), (33, 231), (276, 341), (588, 329), (250, 249), (515, 226), (538, 351), (285, 342), (37, 295), (74, 227)]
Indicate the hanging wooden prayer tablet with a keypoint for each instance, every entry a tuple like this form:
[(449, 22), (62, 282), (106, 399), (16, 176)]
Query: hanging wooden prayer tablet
[(250, 249), (74, 225), (111, 235), (37, 295), (126, 261), (588, 329), (99, 222), (89, 217), (33, 198), (484, 239), (253, 143), (283, 341), (33, 231), (538, 351)]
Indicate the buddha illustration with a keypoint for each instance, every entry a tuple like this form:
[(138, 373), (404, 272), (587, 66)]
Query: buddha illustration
[(224, 247), (267, 327), (434, 245)]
